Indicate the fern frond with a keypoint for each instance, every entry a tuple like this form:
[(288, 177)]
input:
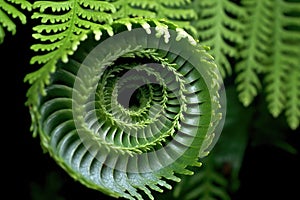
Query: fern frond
[(293, 99), (275, 87), (175, 10), (219, 26), (254, 53), (284, 41), (128, 151), (8, 7), (7, 22), (269, 53), (207, 184), (65, 24)]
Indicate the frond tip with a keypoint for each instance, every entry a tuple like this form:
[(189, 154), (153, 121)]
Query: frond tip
[(293, 100), (130, 112)]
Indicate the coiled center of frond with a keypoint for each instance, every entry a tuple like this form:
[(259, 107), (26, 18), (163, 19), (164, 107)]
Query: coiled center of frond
[(142, 103)]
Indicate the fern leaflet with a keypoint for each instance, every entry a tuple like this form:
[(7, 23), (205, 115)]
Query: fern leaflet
[(173, 10), (293, 102), (219, 26), (269, 53), (284, 55), (7, 7), (207, 184), (254, 53)]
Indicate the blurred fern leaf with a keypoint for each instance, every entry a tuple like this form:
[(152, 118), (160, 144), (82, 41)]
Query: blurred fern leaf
[(219, 27), (258, 43), (269, 55)]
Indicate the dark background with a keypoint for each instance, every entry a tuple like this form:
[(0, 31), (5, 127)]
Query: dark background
[(267, 172)]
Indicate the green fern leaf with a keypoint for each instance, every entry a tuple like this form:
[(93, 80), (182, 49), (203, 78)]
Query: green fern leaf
[(275, 89), (219, 27), (177, 11), (283, 54), (254, 53), (98, 5), (48, 29), (52, 18), (293, 96), (7, 9), (65, 25), (207, 184), (134, 148), (54, 6), (270, 52)]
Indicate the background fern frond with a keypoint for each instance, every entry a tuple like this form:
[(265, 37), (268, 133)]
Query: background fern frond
[(219, 27), (9, 7), (207, 184), (269, 53), (64, 25), (254, 51), (178, 11), (293, 99), (258, 40), (282, 42)]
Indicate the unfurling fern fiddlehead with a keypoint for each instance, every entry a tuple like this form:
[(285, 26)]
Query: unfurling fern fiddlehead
[(129, 110)]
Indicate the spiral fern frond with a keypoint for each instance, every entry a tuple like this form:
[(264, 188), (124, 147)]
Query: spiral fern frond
[(218, 177), (65, 25), (9, 7), (123, 148), (219, 25)]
